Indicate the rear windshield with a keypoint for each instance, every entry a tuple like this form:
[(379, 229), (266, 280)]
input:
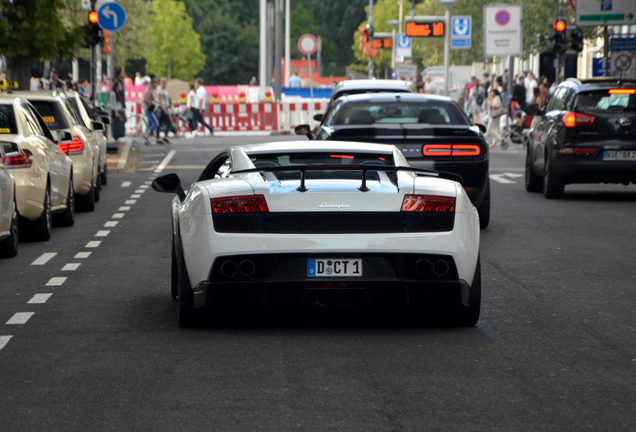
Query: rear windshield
[(52, 113), (435, 113), (7, 120), (604, 101), (366, 91)]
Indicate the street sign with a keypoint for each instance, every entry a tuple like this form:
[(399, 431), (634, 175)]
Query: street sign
[(403, 48), (430, 29), (460, 43), (592, 13), (599, 67), (623, 64), (622, 44), (461, 32), (112, 16), (406, 70), (502, 30), (307, 44)]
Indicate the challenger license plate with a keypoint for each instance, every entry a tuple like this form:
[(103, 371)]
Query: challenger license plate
[(334, 267), (620, 155)]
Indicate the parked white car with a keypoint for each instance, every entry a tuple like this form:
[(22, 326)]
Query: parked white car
[(9, 229), (41, 172)]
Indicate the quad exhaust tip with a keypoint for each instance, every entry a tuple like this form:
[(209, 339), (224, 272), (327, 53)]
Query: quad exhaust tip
[(440, 268), (247, 268), (423, 267), (229, 269)]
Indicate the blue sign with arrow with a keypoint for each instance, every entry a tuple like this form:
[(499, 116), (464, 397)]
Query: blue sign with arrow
[(112, 16)]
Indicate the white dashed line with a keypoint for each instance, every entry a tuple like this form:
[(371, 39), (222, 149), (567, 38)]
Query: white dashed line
[(140, 191), (144, 186), (126, 184), (165, 161), (4, 340), (124, 208), (102, 233), (129, 202), (82, 255), (39, 298), (110, 224), (71, 267), (135, 196), (117, 215), (56, 281), (44, 258), (93, 244), (148, 183), (20, 317)]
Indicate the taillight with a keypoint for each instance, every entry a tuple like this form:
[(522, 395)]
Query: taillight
[(239, 204), (571, 119), (576, 151), (451, 150), (24, 159), (622, 91), (426, 203), (72, 147)]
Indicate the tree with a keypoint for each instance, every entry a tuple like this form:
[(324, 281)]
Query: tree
[(34, 30), (174, 46)]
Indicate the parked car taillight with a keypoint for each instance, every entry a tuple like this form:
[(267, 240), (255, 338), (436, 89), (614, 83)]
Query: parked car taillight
[(571, 119), (72, 147), (24, 159), (239, 204), (622, 91), (451, 150), (429, 204)]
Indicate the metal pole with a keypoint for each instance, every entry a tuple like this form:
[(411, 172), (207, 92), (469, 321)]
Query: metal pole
[(394, 43), (278, 51), (370, 25), (270, 42), (287, 40), (262, 46), (311, 85), (92, 73), (446, 49), (606, 46)]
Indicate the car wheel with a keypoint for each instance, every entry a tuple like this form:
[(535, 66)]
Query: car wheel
[(467, 316), (534, 183), (186, 313), (105, 176), (67, 217), (174, 274), (86, 202), (98, 189), (552, 185), (484, 208), (41, 227), (9, 246)]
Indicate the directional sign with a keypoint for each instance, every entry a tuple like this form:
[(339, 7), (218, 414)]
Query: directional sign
[(403, 48), (599, 67), (112, 16), (622, 44), (461, 32), (592, 13)]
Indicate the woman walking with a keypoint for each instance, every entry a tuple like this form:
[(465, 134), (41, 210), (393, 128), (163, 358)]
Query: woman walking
[(496, 110), (117, 111), (149, 105)]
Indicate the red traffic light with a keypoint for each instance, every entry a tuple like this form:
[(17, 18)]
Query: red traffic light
[(559, 26), (92, 17)]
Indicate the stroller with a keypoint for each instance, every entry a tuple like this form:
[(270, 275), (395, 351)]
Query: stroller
[(517, 130)]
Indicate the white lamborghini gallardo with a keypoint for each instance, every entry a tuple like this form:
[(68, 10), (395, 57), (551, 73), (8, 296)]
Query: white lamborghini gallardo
[(320, 224)]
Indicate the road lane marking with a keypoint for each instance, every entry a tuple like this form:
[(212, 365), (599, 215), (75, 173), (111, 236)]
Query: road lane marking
[(93, 244), (513, 175), (130, 202), (71, 267), (110, 224), (102, 233), (117, 215), (148, 183), (4, 340), (126, 184), (499, 179), (82, 255), (20, 317), (140, 191), (165, 161), (145, 186), (123, 159), (44, 258), (56, 281), (39, 298), (135, 196), (123, 208)]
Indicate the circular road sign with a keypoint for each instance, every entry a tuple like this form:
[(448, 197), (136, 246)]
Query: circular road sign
[(623, 62), (307, 44), (502, 17), (112, 16)]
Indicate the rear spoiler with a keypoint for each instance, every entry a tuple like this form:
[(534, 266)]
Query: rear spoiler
[(364, 168)]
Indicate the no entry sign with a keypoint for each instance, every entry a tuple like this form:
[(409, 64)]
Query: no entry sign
[(307, 44)]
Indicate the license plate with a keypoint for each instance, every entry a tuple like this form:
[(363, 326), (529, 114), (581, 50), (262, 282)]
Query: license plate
[(330, 267), (619, 155)]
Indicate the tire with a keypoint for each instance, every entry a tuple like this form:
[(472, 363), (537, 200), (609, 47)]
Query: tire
[(185, 313), (174, 274), (534, 183), (468, 316), (552, 185), (98, 189), (86, 202), (104, 176), (67, 217), (9, 246), (41, 227), (484, 208)]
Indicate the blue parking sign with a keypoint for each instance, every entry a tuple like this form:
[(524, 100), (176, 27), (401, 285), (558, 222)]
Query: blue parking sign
[(461, 27)]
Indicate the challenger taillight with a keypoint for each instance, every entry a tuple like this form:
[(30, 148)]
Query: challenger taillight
[(239, 204), (451, 150), (24, 159), (428, 203), (72, 147), (571, 119)]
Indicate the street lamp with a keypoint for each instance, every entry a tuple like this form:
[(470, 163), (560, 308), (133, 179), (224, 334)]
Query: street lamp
[(447, 4)]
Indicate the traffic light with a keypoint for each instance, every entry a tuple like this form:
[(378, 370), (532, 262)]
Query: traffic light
[(576, 40), (92, 34), (559, 37), (106, 42), (369, 31)]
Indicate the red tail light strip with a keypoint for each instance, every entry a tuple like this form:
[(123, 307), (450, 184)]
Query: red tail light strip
[(622, 91), (451, 150), (239, 204), (576, 150), (571, 119), (72, 147), (23, 160), (429, 204)]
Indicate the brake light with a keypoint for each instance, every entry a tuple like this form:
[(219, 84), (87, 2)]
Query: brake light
[(342, 156), (239, 204), (430, 204), (622, 91), (24, 159), (576, 150), (571, 119), (451, 150), (72, 147)]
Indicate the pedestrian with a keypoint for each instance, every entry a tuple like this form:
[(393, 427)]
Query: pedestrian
[(496, 110), (191, 108), (253, 81), (40, 85), (55, 82), (202, 100), (295, 81), (149, 105), (518, 95), (430, 87), (119, 78), (163, 111), (530, 84), (117, 108), (419, 84), (138, 79), (486, 88), (474, 104)]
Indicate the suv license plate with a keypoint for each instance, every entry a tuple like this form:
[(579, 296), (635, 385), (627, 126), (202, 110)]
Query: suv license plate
[(619, 155), (331, 267)]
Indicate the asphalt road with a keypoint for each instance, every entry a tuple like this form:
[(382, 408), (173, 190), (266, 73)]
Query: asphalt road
[(555, 348)]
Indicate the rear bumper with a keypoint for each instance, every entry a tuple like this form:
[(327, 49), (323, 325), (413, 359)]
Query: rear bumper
[(593, 169)]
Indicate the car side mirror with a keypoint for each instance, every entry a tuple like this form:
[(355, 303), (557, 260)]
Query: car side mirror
[(303, 129), (169, 183), (533, 110), (97, 126), (319, 117), (62, 136), (481, 127), (105, 120)]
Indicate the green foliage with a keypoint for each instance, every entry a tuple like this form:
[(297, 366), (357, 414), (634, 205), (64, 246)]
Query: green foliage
[(173, 42)]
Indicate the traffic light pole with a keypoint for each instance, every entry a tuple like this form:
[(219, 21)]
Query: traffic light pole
[(371, 27)]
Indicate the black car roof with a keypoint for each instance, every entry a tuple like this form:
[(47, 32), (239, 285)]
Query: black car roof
[(388, 97)]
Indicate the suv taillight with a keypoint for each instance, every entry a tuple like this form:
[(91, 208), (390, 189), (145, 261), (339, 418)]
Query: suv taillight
[(72, 147), (428, 203), (571, 119), (22, 160), (239, 204)]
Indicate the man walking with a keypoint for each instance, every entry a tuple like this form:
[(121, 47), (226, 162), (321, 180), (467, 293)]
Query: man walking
[(202, 100), (163, 113)]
